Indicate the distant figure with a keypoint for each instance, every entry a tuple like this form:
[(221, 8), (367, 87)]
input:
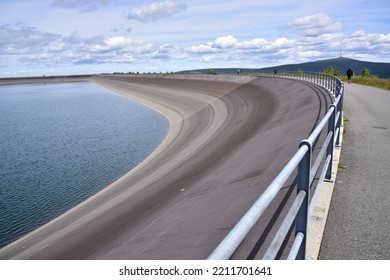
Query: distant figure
[(275, 71), (349, 74), (238, 71)]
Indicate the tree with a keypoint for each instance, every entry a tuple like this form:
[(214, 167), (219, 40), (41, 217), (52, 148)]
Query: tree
[(331, 71), (366, 73)]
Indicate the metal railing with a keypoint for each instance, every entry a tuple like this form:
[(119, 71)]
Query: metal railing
[(301, 207)]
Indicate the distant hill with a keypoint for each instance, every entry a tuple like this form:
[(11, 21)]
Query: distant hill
[(341, 64)]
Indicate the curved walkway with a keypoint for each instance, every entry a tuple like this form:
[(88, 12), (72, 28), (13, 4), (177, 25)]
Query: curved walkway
[(229, 137), (358, 224)]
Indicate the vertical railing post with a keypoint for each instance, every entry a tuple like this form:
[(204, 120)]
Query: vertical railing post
[(325, 77), (324, 80), (331, 84), (339, 109), (331, 128), (327, 81), (303, 184)]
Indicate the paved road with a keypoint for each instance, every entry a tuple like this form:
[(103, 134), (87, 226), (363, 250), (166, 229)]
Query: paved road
[(358, 224)]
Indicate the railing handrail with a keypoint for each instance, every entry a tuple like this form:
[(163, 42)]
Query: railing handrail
[(301, 207)]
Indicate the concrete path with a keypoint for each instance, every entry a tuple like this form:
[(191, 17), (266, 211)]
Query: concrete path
[(358, 226)]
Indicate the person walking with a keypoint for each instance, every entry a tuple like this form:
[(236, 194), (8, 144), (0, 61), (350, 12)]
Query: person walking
[(349, 74)]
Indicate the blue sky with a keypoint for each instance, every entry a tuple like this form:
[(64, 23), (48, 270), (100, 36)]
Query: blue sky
[(63, 37)]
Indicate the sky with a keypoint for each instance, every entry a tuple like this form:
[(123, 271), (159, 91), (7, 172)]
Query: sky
[(65, 37)]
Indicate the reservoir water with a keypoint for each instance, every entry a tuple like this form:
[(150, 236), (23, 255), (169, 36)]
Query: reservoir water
[(61, 143)]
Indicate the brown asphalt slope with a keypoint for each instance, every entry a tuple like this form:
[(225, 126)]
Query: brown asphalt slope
[(229, 137)]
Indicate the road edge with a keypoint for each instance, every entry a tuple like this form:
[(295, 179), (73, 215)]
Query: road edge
[(318, 218)]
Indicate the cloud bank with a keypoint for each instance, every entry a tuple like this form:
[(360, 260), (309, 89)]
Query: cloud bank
[(315, 25), (315, 37)]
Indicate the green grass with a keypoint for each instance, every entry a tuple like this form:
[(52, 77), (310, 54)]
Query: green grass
[(342, 166), (369, 81), (345, 120)]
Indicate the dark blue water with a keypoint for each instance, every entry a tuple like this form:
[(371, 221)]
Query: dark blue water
[(62, 143)]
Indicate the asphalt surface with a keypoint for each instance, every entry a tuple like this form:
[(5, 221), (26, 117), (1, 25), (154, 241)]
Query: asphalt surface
[(229, 137), (358, 223)]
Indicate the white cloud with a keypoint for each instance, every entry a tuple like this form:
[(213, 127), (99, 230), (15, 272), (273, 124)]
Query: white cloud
[(155, 11), (314, 25), (257, 43), (188, 33), (29, 46), (32, 46), (168, 51), (282, 43), (208, 58), (202, 48), (57, 46), (19, 38), (362, 43), (226, 42), (244, 53), (114, 44), (81, 5)]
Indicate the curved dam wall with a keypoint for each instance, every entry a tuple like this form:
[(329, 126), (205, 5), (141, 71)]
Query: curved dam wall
[(229, 137)]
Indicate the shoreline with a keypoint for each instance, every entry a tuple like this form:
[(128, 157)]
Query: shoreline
[(214, 124), (44, 79), (54, 81)]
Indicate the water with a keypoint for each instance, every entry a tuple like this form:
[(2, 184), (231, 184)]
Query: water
[(62, 143)]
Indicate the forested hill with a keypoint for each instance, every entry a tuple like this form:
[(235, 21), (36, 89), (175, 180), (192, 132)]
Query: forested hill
[(382, 70)]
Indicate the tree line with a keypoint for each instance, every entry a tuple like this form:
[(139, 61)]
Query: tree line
[(365, 72)]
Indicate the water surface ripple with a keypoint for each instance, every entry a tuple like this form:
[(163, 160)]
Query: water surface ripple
[(61, 143)]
